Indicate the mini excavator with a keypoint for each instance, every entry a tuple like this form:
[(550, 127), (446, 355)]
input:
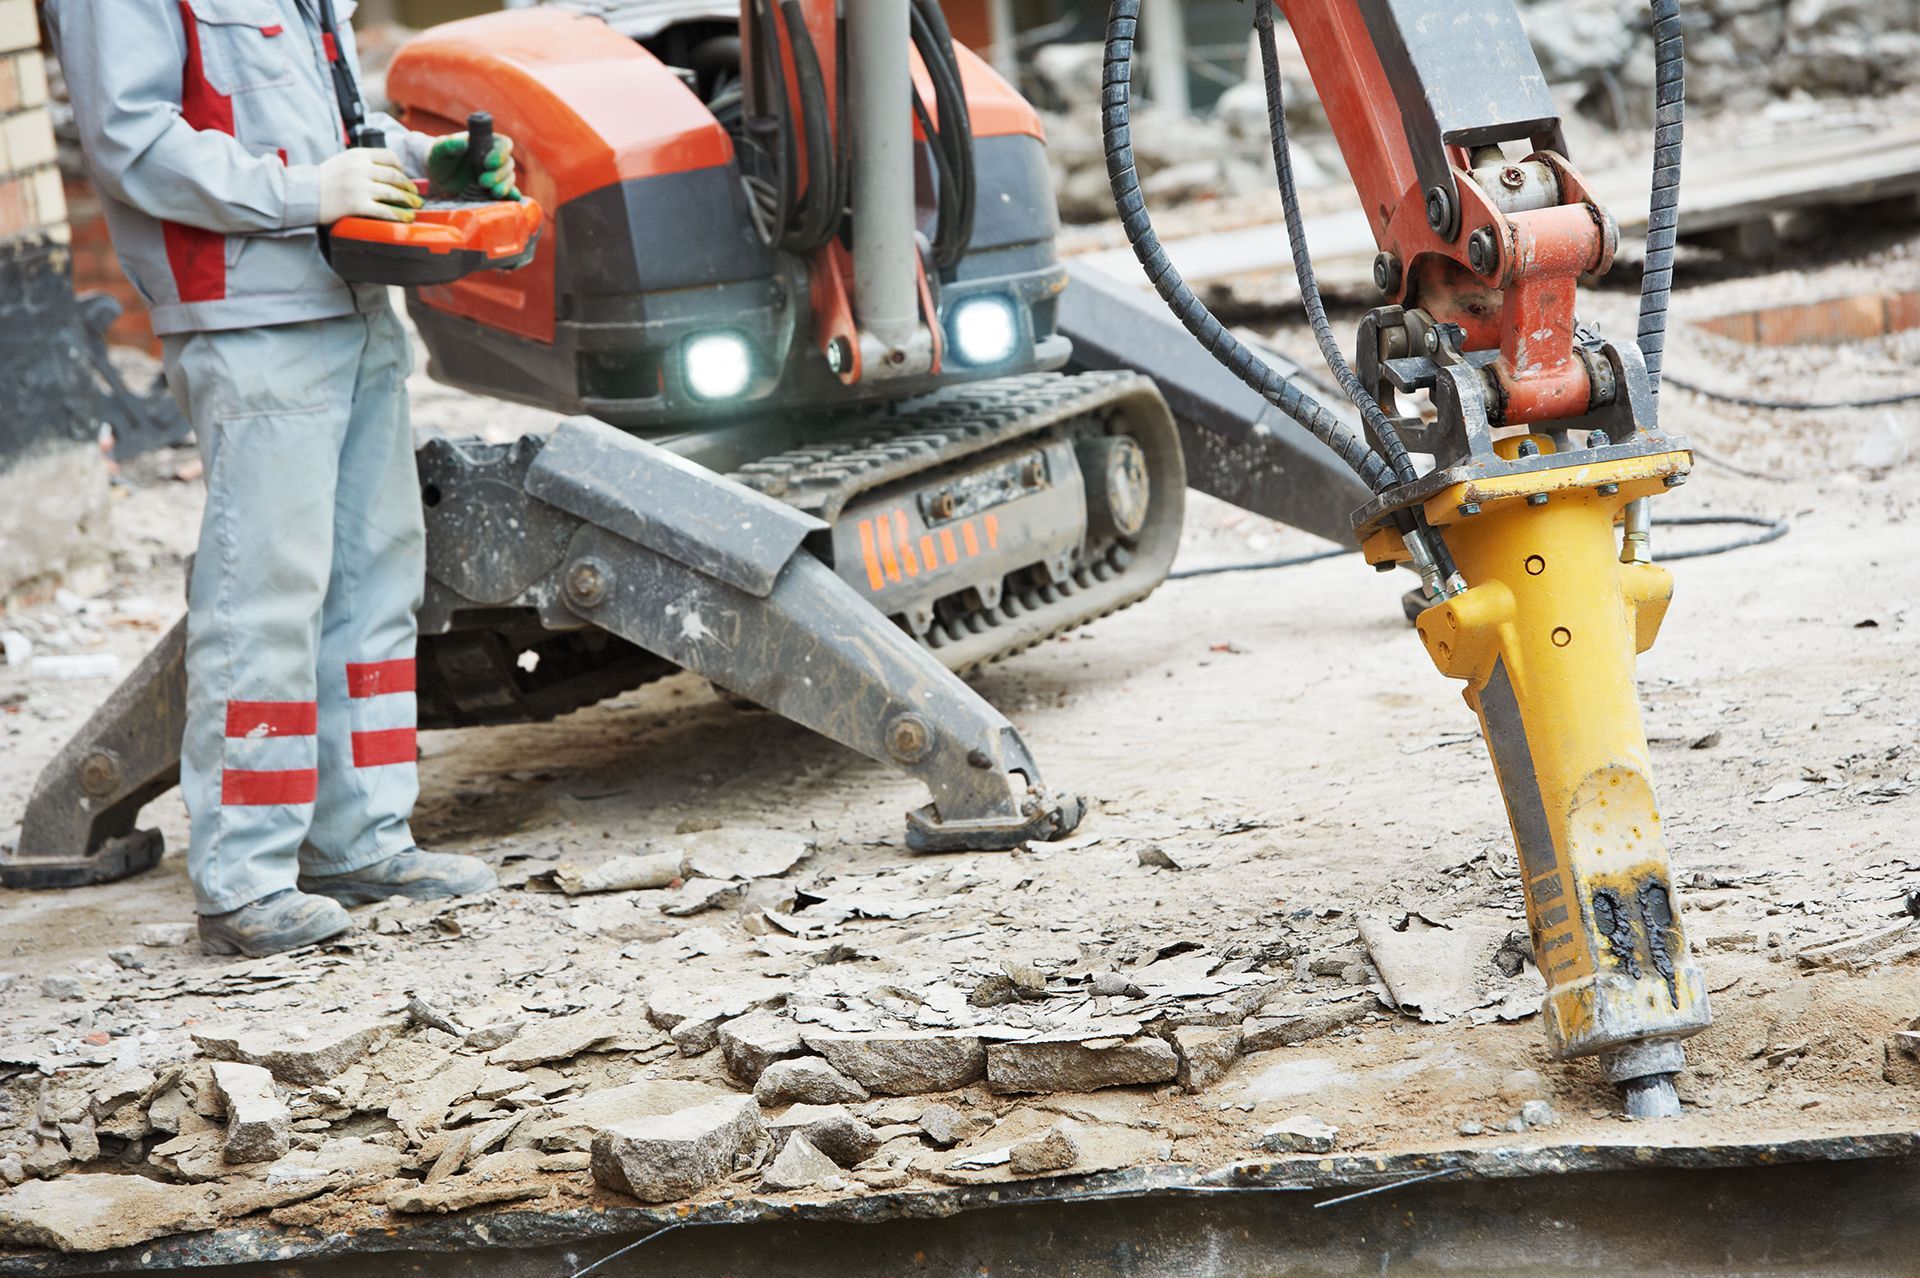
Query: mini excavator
[(830, 444)]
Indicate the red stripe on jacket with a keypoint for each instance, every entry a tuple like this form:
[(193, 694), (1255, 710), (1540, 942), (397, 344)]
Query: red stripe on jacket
[(378, 678), (197, 256)]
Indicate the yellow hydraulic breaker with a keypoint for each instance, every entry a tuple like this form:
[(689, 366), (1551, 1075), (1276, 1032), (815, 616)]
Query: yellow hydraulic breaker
[(1545, 637)]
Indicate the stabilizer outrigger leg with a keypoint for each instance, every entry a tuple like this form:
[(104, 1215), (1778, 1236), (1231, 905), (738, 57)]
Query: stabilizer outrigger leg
[(79, 823), (596, 529), (712, 576)]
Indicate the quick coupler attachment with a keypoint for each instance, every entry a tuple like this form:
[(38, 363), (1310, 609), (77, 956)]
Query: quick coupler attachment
[(1545, 637)]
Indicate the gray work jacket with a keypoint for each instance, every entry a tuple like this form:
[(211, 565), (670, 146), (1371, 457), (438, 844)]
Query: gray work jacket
[(204, 124)]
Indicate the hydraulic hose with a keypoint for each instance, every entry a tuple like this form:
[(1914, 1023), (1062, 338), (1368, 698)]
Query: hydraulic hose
[(1379, 427), (816, 218), (1116, 132), (1377, 422), (1663, 216), (952, 143)]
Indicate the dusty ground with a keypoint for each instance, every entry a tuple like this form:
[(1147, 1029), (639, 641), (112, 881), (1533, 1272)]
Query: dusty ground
[(1277, 736)]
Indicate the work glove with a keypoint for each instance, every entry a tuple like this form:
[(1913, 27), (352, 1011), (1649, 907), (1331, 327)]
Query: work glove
[(453, 177), (366, 182)]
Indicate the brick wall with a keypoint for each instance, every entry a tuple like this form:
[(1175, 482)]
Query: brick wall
[(32, 200)]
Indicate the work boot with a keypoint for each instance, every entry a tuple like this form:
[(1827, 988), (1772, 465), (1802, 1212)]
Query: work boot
[(413, 873), (286, 920)]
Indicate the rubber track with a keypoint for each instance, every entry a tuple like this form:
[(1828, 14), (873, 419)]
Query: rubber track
[(917, 436)]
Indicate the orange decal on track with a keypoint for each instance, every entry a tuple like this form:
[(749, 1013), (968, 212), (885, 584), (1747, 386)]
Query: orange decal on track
[(972, 538), (908, 560), (875, 581), (928, 554), (993, 530), (885, 529), (946, 544)]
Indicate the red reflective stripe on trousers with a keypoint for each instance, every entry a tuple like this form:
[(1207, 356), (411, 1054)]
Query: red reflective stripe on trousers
[(247, 720), (268, 789), (381, 749), (378, 678), (198, 257)]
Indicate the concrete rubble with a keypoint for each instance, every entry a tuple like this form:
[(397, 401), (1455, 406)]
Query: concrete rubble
[(677, 1155)]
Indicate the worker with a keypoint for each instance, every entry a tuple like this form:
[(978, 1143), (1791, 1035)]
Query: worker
[(213, 130)]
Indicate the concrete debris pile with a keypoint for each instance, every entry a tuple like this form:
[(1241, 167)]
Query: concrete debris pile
[(851, 1029), (838, 1022)]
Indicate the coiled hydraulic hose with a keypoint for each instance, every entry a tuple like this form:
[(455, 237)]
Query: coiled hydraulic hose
[(1377, 422), (952, 142), (1663, 215), (1116, 130)]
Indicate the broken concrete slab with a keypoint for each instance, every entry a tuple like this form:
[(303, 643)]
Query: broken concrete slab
[(258, 1122), (737, 852), (903, 1062), (498, 1178), (1290, 1023), (946, 1126), (809, 1080), (692, 1015), (1439, 971), (559, 1039), (424, 1104), (1205, 1055), (572, 1123), (833, 1130), (798, 1165), (1054, 1066), (696, 896), (115, 1087), (1053, 1150), (486, 1038), (1301, 1134), (95, 1213), (674, 1156), (296, 1054), (752, 1042), (353, 1162), (622, 874)]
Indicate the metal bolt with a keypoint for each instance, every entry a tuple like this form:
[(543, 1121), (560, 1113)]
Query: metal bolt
[(1469, 509), (908, 739), (1537, 499), (587, 583), (839, 356), (100, 774), (1483, 251), (1439, 209), (1608, 490), (1597, 439), (979, 759), (1512, 177), (1386, 273), (1432, 341), (1674, 481), (1528, 448)]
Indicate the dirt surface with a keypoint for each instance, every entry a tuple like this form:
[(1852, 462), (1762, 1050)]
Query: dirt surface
[(1270, 762)]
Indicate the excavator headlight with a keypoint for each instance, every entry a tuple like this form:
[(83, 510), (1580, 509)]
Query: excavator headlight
[(985, 329), (717, 365)]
